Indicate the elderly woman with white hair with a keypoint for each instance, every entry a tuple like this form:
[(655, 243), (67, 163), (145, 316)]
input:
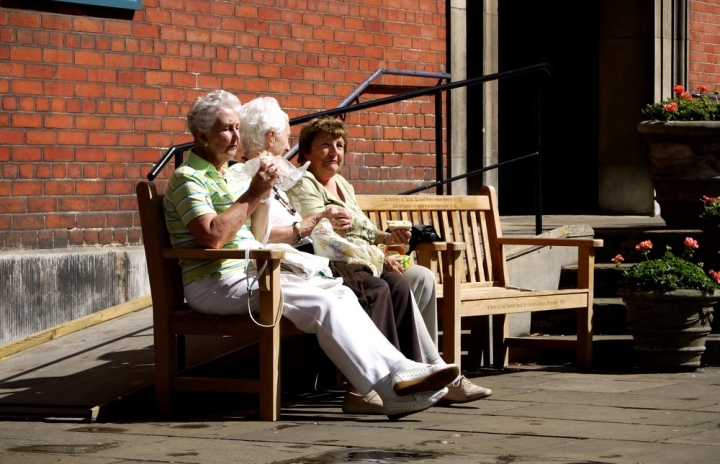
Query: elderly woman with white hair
[(207, 206)]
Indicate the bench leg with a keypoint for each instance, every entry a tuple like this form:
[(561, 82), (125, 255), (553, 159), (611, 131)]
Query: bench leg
[(270, 309), (478, 343), (501, 330), (165, 354), (586, 279), (584, 338)]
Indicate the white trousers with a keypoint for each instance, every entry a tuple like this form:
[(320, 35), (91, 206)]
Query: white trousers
[(344, 331)]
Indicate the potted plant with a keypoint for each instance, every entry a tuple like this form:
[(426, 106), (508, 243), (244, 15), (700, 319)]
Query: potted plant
[(711, 211), (683, 134), (670, 303)]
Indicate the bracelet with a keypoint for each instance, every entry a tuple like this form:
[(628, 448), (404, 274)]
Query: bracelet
[(296, 228), (266, 199)]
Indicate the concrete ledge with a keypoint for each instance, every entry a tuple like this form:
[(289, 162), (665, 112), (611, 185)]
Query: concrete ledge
[(41, 289)]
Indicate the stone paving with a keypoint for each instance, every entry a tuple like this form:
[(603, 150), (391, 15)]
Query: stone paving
[(537, 414)]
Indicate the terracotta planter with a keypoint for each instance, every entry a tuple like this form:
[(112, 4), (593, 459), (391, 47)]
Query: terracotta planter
[(669, 329), (684, 166)]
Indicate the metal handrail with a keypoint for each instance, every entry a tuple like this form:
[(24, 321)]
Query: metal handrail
[(437, 90), (178, 150)]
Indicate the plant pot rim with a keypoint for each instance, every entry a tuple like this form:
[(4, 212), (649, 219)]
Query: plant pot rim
[(679, 127), (670, 294)]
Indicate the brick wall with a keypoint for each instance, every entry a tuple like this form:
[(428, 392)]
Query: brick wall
[(704, 44), (91, 97)]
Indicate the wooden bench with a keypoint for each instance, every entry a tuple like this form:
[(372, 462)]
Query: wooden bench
[(472, 271), (173, 319)]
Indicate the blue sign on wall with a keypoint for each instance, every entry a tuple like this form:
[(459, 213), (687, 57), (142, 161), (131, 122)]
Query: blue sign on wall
[(126, 4)]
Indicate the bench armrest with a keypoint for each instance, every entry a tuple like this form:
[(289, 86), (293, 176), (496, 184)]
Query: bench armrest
[(221, 253), (543, 241)]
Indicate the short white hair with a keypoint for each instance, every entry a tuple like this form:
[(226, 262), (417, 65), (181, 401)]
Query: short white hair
[(257, 118), (206, 109)]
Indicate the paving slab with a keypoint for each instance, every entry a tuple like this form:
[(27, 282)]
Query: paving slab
[(624, 400), (567, 429), (624, 452), (615, 415), (405, 438)]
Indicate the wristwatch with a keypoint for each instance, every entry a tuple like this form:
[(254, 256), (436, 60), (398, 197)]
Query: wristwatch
[(298, 235)]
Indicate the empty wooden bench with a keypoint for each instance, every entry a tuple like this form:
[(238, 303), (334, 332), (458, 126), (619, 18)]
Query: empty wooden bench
[(472, 270)]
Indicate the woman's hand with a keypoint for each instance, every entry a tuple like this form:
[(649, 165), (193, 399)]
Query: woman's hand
[(398, 237), (340, 218), (392, 264), (265, 179)]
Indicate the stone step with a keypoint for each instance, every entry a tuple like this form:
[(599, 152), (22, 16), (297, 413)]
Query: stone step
[(608, 319), (606, 279)]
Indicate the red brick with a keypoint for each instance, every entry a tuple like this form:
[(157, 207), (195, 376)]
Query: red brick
[(26, 171), (59, 171), (103, 203), (45, 239), (129, 203), (24, 19), (132, 139), (60, 221), (72, 138), (42, 205), (58, 121), (91, 220), (28, 221), (76, 237), (12, 205), (59, 187), (102, 75), (120, 188), (74, 203), (89, 187), (102, 138), (120, 219), (115, 123), (26, 120), (43, 171)]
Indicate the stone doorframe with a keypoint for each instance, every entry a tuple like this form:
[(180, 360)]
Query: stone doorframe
[(457, 63)]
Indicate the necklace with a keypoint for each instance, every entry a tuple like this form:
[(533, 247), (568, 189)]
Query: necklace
[(283, 202)]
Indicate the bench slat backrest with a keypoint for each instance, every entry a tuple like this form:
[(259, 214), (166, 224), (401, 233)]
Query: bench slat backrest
[(469, 219), (164, 274)]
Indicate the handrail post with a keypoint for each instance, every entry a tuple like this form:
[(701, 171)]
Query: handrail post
[(438, 146), (538, 160)]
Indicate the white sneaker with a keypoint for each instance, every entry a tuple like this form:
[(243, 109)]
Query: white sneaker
[(429, 377)]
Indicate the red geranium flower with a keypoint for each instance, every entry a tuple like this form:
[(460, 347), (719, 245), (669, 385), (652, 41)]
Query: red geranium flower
[(714, 275), (618, 259), (703, 88), (678, 89), (685, 96), (644, 245), (691, 243), (671, 107)]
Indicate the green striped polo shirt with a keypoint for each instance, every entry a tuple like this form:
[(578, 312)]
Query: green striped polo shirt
[(196, 188)]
